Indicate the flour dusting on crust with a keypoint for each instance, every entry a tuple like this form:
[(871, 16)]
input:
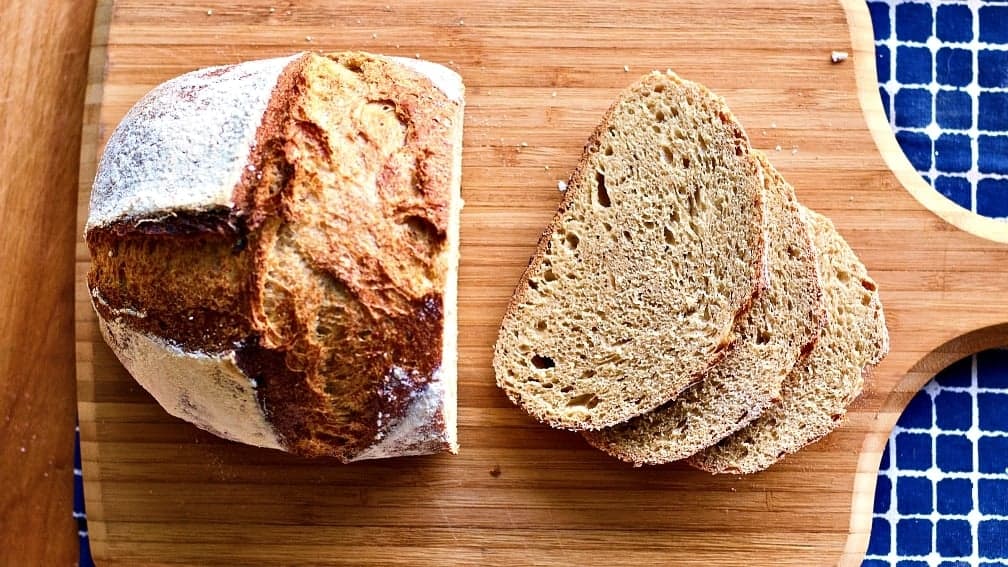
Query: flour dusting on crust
[(226, 405), (184, 145)]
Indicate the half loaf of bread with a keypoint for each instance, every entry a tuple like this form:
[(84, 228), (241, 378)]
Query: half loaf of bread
[(782, 326), (657, 249), (815, 396), (274, 250)]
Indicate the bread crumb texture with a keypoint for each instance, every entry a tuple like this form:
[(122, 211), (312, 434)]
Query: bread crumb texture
[(815, 396), (783, 324), (682, 304), (656, 250)]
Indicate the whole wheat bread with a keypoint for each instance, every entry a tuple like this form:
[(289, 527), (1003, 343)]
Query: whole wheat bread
[(815, 396), (781, 328), (661, 228)]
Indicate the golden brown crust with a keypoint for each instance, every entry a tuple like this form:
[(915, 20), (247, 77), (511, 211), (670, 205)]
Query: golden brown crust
[(327, 276)]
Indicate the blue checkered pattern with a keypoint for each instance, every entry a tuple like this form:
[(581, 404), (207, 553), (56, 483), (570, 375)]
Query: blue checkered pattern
[(943, 76), (942, 493), (78, 505), (942, 496)]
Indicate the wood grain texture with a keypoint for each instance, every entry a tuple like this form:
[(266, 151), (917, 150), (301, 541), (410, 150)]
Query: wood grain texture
[(539, 77), (42, 79)]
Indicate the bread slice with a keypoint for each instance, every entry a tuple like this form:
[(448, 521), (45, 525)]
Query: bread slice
[(274, 248), (781, 328), (661, 228), (815, 396)]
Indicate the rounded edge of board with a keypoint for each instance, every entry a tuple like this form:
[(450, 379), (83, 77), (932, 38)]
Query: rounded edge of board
[(870, 456), (863, 44)]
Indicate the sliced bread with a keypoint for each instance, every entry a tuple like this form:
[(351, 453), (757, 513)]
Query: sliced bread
[(814, 398), (661, 227), (782, 326)]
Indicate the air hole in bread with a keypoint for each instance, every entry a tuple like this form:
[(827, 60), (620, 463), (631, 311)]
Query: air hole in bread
[(354, 66), (608, 151), (648, 224), (869, 285), (542, 362), (541, 326), (602, 193), (550, 276), (667, 154), (792, 252), (423, 230), (686, 162), (660, 117), (572, 241), (763, 337), (567, 389), (584, 400), (866, 299), (669, 236), (843, 275), (627, 236)]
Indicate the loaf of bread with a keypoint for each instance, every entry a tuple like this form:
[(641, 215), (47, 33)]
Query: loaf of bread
[(782, 327), (274, 252), (815, 396), (657, 249)]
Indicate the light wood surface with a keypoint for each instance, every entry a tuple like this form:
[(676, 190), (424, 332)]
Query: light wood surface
[(539, 77), (42, 78)]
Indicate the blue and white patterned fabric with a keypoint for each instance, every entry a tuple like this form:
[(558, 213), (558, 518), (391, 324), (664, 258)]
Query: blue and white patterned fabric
[(78, 506), (942, 493), (943, 499), (943, 76)]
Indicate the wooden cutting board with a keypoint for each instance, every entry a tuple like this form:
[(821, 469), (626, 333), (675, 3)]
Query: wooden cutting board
[(539, 76)]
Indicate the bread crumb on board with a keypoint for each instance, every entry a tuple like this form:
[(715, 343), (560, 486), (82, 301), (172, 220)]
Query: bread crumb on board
[(495, 471), (561, 186), (839, 56), (209, 12)]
